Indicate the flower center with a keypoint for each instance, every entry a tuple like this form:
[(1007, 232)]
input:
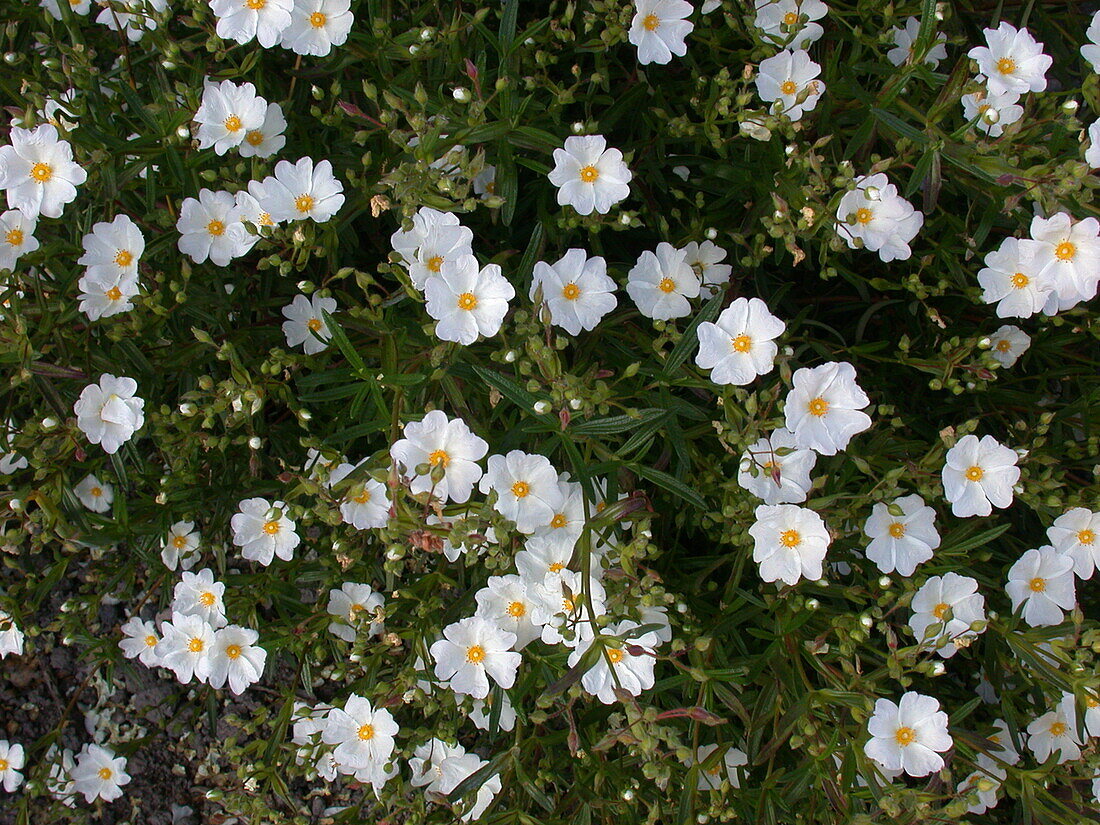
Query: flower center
[(233, 651), (905, 736), (818, 406), (1020, 280), (589, 174), (150, 640), (41, 172), (940, 610), (3, 765), (233, 124), (14, 237), (788, 87), (435, 263), (105, 774), (651, 22), (207, 599), (255, 137), (196, 645), (556, 567), (215, 228), (896, 530), (516, 609), (1065, 251), (1037, 585), (265, 219), (255, 5), (742, 343), (1058, 729), (558, 521), (179, 542), (363, 497), (303, 203), (790, 18), (666, 285), (974, 473), (467, 301), (1004, 345), (366, 732), (1086, 537), (271, 527), (114, 293), (521, 489), (570, 291), (96, 492), (314, 324), (437, 457), (475, 654), (864, 215), (317, 19), (614, 655), (790, 538), (1006, 65), (124, 257)]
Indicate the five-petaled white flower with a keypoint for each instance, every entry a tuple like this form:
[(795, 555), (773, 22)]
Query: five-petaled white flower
[(1008, 343), (434, 238), (180, 547), (242, 20), (434, 442), (1056, 732), (1069, 257), (1014, 280), (626, 662), (527, 489), (589, 176), (990, 112), (302, 190), (140, 638), (197, 594), (909, 736), (318, 25), (1041, 586), (904, 39), (504, 600), (184, 647), (94, 494), (235, 659), (227, 113), (740, 345), (1012, 60), (705, 259), (978, 475), (952, 604), (1076, 533), (363, 735), (659, 29), (11, 764), (11, 637), (471, 651), (305, 324), (576, 290), (1091, 50), (109, 413), (874, 216), (661, 282), (352, 607), (789, 543), (210, 228), (365, 503), (790, 23), (265, 140), (710, 779), (823, 408), (467, 301), (38, 173), (788, 81), (902, 540), (776, 469), (263, 531), (99, 774), (16, 237)]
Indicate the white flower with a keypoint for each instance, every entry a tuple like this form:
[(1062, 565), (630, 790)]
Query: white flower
[(979, 475), (140, 640), (263, 531), (482, 713), (94, 494), (485, 182), (536, 561), (659, 28), (11, 637), (710, 779), (248, 205), (910, 735), (823, 408), (467, 301), (366, 504), (661, 282), (318, 25), (984, 785), (442, 768), (776, 469), (103, 295), (740, 345), (527, 489), (589, 176), (1092, 154), (38, 173), (567, 524), (11, 762), (236, 659), (184, 647), (705, 259), (1076, 533), (16, 237), (576, 289), (435, 237), (1056, 731), (1014, 280), (211, 227), (1008, 343), (353, 606), (76, 6), (789, 543), (363, 736), (874, 216), (904, 38), (1012, 60), (471, 651), (59, 783), (991, 113), (131, 16), (952, 602), (305, 324), (113, 249), (197, 594), (109, 413), (265, 140), (1041, 583), (505, 602), (901, 542), (789, 82), (790, 23), (242, 20), (439, 441), (1069, 256), (301, 190), (1091, 50), (99, 774), (626, 662), (180, 547), (227, 113), (560, 605)]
